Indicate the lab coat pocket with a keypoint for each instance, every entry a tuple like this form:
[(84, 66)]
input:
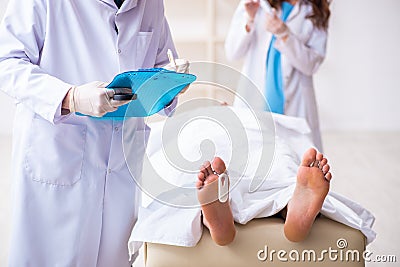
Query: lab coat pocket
[(55, 153), (143, 40), (135, 150)]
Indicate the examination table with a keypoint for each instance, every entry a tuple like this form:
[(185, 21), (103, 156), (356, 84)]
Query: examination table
[(265, 235)]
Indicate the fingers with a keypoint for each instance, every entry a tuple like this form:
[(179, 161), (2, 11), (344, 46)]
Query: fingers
[(100, 84), (184, 90), (249, 2), (269, 17), (252, 2), (118, 103), (122, 90), (273, 12), (251, 7), (104, 110), (274, 24), (109, 94)]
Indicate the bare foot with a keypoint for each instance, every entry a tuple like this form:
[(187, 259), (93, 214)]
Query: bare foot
[(311, 189), (217, 216)]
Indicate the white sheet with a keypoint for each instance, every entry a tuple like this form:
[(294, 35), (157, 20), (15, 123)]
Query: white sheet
[(165, 224)]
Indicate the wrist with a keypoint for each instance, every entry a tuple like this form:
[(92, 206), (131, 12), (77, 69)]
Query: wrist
[(283, 34), (249, 23), (71, 105), (65, 102)]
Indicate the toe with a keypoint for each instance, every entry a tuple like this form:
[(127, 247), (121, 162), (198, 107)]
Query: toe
[(218, 165), (201, 176), (325, 169), (322, 163), (319, 156), (199, 184), (328, 176), (207, 167), (309, 157), (203, 170), (210, 179)]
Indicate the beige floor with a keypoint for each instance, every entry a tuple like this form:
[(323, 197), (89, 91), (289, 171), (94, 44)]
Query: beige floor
[(365, 167)]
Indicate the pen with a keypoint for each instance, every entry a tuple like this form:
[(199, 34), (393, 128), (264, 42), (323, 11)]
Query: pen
[(171, 59)]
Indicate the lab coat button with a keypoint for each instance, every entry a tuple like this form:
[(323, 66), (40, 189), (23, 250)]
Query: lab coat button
[(116, 129), (119, 51)]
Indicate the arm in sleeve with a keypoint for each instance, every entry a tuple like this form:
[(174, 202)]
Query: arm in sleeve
[(305, 57), (166, 43), (238, 40), (169, 110), (22, 35)]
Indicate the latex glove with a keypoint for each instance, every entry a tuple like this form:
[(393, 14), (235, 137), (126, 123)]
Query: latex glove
[(182, 66), (94, 99), (251, 7), (275, 25)]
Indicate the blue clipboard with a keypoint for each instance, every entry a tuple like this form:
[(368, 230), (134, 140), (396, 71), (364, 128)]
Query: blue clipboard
[(155, 89)]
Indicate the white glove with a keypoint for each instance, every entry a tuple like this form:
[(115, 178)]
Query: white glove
[(181, 66), (275, 25), (94, 99)]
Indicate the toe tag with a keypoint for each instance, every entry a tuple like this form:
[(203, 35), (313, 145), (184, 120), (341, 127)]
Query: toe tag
[(223, 187)]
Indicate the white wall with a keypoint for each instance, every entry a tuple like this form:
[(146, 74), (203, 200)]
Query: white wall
[(357, 86)]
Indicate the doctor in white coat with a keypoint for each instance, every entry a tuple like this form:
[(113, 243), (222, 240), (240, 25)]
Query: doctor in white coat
[(301, 41), (75, 198)]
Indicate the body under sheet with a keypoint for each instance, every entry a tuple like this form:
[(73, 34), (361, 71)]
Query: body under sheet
[(165, 221)]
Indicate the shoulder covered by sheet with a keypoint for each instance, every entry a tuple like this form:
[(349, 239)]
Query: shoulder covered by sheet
[(290, 129)]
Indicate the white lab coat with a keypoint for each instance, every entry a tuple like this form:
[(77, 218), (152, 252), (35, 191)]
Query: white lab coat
[(75, 197), (302, 54)]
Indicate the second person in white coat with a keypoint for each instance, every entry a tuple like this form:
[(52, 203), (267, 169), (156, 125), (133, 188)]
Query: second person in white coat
[(283, 43)]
